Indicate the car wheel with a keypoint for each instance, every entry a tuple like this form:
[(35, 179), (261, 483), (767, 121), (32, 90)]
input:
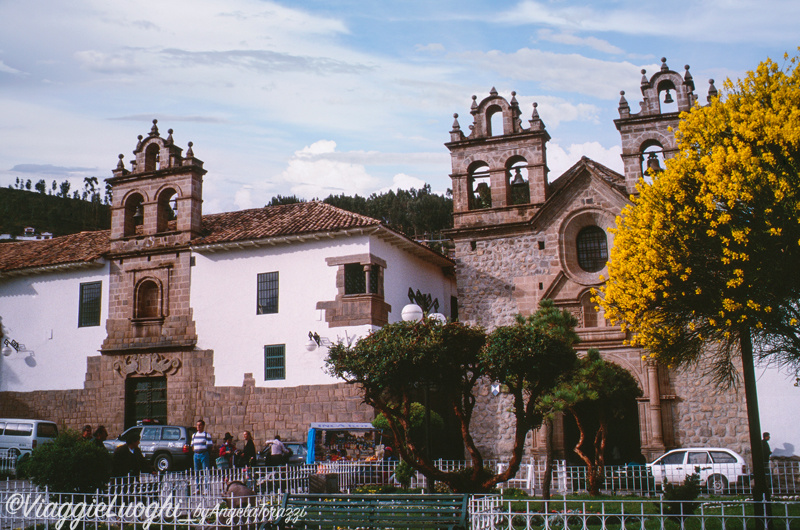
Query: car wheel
[(717, 484), (13, 453), (163, 462)]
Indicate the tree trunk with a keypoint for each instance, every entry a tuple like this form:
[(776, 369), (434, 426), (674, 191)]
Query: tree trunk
[(548, 466), (761, 491)]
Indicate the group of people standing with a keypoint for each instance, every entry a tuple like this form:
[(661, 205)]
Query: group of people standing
[(229, 456), (97, 436)]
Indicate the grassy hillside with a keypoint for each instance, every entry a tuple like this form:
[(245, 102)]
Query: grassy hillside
[(49, 213)]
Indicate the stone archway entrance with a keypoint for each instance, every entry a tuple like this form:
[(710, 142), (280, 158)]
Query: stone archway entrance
[(623, 440)]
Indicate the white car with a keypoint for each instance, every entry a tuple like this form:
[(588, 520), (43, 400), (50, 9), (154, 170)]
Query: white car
[(716, 466)]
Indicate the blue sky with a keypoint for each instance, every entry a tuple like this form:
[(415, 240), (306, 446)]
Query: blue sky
[(318, 97)]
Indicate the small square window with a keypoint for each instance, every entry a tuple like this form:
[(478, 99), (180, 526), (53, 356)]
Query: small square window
[(355, 279), (89, 304), (274, 362), (267, 293)]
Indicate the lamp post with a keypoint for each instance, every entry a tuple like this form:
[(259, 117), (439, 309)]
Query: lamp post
[(414, 313)]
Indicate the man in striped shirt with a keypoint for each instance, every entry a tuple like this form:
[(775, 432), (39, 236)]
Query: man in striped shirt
[(201, 446)]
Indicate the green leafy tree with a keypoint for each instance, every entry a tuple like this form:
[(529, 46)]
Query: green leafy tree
[(68, 464), (596, 394), (280, 199), (705, 260), (64, 189), (417, 422), (387, 364), (41, 186)]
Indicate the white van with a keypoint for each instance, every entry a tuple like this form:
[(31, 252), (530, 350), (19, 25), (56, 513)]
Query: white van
[(18, 436)]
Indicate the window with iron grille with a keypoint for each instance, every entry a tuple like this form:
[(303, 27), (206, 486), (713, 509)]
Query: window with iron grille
[(592, 248), (274, 362), (355, 278), (89, 306), (267, 301)]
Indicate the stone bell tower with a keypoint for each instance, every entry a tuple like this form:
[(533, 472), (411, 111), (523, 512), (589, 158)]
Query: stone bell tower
[(648, 137), (500, 169), (156, 211)]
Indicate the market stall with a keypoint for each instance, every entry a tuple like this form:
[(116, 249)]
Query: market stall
[(341, 441)]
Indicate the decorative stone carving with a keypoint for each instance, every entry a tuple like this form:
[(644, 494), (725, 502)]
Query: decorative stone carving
[(146, 364)]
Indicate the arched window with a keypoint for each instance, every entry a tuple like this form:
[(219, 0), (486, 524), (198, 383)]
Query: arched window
[(480, 191), (134, 214), (666, 97), (592, 247), (652, 160), (517, 178), (148, 300), (494, 121), (593, 315), (151, 157), (167, 209)]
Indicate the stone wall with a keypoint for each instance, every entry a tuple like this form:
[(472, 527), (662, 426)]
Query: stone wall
[(191, 395), (706, 415)]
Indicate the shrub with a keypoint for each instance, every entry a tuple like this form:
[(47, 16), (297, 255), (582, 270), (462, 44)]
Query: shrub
[(404, 473), (68, 464), (681, 497)]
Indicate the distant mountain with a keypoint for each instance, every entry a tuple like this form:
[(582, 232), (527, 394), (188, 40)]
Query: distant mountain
[(49, 213)]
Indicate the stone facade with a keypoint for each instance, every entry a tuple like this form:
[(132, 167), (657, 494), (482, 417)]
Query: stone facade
[(192, 394), (512, 254)]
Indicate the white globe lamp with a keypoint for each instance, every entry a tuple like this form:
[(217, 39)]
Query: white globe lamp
[(412, 313)]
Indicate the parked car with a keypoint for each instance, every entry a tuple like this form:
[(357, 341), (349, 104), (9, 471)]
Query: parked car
[(21, 436), (168, 447), (717, 467), (298, 456)]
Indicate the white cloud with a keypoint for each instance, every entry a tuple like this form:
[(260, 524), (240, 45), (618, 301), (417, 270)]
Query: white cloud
[(244, 198), (574, 40), (432, 47), (401, 181), (559, 72), (100, 62), (309, 176), (701, 21), (317, 148), (560, 159), (8, 70)]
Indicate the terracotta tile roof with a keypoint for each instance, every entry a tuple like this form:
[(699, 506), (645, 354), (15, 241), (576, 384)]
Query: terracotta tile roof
[(83, 247), (229, 227), (276, 221)]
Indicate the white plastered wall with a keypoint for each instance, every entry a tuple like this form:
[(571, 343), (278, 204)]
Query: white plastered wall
[(41, 312)]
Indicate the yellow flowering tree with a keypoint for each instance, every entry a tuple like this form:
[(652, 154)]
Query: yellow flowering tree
[(706, 259)]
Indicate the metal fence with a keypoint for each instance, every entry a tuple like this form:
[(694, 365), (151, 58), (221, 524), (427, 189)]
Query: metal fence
[(492, 512), (218, 498)]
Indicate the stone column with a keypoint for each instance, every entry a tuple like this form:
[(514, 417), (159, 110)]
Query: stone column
[(654, 408)]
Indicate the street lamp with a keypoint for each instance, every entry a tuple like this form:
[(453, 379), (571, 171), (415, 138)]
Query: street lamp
[(413, 313)]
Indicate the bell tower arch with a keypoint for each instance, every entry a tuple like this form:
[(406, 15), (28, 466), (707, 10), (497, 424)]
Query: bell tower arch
[(156, 211), (648, 137), (499, 170)]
